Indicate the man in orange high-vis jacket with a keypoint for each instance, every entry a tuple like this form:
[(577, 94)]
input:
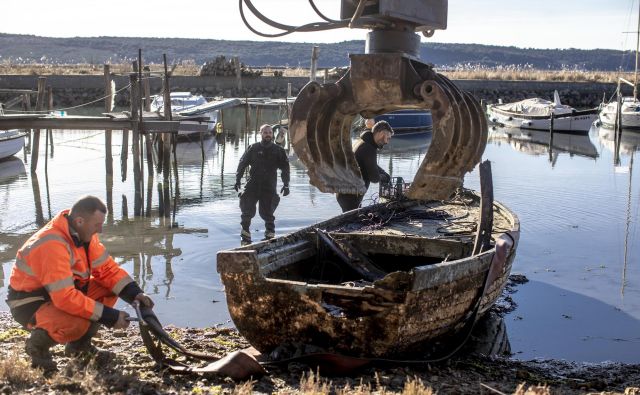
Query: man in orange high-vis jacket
[(64, 284)]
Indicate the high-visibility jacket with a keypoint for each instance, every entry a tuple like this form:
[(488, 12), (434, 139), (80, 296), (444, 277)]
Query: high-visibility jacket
[(53, 265)]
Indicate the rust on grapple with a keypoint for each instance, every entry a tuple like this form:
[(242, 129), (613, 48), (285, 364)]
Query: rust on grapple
[(389, 77), (321, 120)]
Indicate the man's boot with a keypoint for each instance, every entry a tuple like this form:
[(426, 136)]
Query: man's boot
[(269, 234), (37, 347), (83, 345), (245, 237)]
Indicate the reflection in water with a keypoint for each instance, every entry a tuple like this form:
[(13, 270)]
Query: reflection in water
[(622, 143), (12, 170), (629, 141), (489, 337), (536, 142), (563, 209)]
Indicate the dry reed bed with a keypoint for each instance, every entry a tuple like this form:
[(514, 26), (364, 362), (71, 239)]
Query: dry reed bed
[(191, 69)]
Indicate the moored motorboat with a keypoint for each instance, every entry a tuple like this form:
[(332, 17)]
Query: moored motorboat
[(11, 142), (536, 114), (409, 122), (185, 104), (380, 281), (629, 111)]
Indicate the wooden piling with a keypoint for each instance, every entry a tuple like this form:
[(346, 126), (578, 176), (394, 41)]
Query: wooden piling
[(108, 107), (618, 131), (26, 107), (258, 110), (314, 62), (48, 133), (286, 103), (49, 137), (551, 121), (109, 194), (124, 154), (135, 107), (140, 140), (236, 63), (166, 142), (288, 89), (35, 143), (37, 200), (147, 107)]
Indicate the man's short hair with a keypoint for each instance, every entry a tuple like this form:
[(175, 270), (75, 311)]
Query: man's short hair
[(382, 126), (266, 125), (86, 206)]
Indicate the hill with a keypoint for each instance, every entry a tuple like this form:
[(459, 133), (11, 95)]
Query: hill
[(21, 49)]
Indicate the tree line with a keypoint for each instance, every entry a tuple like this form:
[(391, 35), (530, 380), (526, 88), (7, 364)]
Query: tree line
[(28, 49)]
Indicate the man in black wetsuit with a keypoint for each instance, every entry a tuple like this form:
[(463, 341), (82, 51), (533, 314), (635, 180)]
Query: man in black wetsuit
[(365, 149), (264, 158)]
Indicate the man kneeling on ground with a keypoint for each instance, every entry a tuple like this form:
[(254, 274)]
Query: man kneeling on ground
[(64, 284)]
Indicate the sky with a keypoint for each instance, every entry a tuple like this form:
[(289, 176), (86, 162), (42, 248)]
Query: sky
[(584, 24)]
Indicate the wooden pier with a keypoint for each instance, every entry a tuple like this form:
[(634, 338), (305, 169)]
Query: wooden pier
[(146, 126)]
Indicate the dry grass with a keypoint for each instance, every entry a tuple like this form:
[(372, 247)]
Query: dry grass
[(189, 68), (536, 75), (17, 371), (532, 390)]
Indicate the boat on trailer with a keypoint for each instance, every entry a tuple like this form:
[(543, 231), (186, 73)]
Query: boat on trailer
[(382, 281), (535, 114)]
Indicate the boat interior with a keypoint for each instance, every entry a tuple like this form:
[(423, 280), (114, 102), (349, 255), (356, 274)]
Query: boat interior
[(366, 250)]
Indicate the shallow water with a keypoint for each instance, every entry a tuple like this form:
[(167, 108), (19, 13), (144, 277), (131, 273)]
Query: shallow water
[(579, 214)]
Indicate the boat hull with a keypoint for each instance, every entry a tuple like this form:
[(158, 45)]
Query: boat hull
[(581, 122), (630, 119), (408, 122), (273, 302), (11, 142)]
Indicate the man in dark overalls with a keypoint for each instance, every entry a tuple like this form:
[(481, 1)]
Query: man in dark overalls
[(365, 150), (264, 158)]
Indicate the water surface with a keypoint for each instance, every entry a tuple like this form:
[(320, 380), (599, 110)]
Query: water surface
[(577, 205)]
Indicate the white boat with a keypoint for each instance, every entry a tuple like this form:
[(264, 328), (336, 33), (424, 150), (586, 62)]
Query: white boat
[(630, 106), (536, 113), (186, 104), (11, 142), (630, 112)]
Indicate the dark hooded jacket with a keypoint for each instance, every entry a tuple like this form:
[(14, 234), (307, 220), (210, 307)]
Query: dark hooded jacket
[(366, 152), (264, 160)]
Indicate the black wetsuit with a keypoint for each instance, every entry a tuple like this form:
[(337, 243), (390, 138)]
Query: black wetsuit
[(366, 153), (264, 159)]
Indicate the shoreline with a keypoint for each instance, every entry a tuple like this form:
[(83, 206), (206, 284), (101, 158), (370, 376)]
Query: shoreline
[(132, 371)]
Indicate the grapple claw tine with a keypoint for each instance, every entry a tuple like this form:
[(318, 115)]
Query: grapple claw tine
[(320, 135), (378, 83)]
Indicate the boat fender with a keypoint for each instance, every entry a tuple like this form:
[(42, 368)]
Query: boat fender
[(219, 128)]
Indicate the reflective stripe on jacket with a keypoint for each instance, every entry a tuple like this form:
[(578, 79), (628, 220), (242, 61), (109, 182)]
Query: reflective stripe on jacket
[(50, 260)]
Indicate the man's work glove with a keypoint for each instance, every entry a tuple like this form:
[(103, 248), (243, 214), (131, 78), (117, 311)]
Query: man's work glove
[(385, 178), (122, 322), (285, 190), (237, 186), (144, 300)]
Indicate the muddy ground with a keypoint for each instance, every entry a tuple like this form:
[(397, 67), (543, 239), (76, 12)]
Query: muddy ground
[(132, 371)]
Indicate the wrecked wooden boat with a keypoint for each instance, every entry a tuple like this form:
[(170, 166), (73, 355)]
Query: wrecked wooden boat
[(380, 281), (394, 278)]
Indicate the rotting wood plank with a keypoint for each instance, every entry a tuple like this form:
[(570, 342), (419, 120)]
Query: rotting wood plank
[(94, 123), (350, 256)]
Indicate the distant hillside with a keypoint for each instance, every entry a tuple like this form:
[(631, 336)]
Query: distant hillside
[(97, 50)]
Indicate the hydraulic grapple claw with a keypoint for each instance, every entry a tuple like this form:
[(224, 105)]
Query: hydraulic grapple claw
[(322, 115)]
